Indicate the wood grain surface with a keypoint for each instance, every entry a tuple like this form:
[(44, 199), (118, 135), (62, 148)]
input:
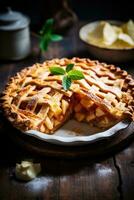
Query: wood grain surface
[(109, 177)]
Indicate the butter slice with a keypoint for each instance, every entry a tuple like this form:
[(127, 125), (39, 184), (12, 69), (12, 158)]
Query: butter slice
[(110, 34), (126, 38), (129, 28), (27, 170)]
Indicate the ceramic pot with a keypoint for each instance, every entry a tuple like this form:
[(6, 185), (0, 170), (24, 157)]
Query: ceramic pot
[(14, 35)]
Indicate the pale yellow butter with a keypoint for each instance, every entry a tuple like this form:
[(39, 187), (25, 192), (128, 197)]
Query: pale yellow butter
[(111, 36), (27, 170)]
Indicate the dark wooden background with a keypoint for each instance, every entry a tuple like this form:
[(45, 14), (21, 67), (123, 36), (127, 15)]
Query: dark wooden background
[(89, 10), (108, 177)]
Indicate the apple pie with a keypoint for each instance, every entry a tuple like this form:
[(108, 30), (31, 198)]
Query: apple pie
[(34, 99)]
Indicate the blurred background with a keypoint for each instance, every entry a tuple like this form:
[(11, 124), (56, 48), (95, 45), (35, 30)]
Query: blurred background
[(87, 10)]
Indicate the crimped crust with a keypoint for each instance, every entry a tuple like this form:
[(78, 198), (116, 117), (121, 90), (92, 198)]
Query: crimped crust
[(35, 99)]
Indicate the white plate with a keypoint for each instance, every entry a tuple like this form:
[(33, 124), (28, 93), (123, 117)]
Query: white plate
[(105, 54), (76, 133)]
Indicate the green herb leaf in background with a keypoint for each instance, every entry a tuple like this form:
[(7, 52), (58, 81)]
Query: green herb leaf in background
[(75, 75), (47, 36), (57, 70), (66, 82), (56, 38), (69, 67), (47, 27), (44, 43)]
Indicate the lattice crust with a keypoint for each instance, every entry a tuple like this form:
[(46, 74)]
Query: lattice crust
[(35, 99)]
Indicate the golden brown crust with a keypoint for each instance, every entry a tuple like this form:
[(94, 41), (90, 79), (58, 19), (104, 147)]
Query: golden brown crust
[(34, 99)]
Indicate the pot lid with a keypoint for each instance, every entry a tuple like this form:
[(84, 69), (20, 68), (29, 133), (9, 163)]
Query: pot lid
[(12, 20)]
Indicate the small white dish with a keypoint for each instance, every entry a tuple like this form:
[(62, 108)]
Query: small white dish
[(102, 53)]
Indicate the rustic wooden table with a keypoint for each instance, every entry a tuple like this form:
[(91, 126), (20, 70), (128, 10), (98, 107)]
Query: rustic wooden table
[(109, 177)]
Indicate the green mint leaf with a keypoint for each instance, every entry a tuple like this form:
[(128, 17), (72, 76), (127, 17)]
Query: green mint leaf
[(47, 27), (75, 75), (57, 70), (69, 67), (44, 42), (66, 82), (56, 38)]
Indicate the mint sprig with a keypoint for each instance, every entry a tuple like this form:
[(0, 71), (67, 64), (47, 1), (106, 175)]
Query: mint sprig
[(57, 70), (69, 67), (66, 82), (75, 75), (69, 74)]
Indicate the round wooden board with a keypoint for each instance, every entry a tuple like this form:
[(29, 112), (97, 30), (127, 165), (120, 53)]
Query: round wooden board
[(105, 146)]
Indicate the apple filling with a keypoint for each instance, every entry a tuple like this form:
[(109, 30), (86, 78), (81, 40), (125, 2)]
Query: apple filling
[(87, 111)]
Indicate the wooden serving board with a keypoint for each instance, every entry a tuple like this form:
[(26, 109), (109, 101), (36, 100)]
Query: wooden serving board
[(98, 148)]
